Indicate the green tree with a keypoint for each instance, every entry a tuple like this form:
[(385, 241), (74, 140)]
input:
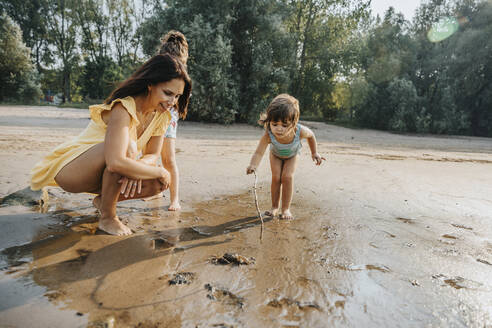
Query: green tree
[(387, 64), (263, 54), (471, 68), (321, 30), (62, 32), (121, 28), (18, 80), (214, 91), (249, 52), (404, 100), (31, 17)]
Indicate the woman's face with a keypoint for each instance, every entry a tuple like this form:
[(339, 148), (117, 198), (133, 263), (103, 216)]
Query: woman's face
[(164, 96)]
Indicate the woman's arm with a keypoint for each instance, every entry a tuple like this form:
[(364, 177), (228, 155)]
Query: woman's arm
[(151, 154), (258, 155), (306, 133), (115, 148)]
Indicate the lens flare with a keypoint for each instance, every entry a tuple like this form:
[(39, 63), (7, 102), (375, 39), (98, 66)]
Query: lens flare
[(443, 29)]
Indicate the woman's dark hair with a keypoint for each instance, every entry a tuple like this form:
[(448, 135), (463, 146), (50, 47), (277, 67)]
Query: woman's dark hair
[(160, 68), (174, 43), (284, 108)]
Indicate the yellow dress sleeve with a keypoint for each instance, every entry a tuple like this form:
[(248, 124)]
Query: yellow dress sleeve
[(162, 124), (127, 102)]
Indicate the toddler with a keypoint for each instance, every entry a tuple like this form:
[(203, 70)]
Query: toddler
[(284, 134)]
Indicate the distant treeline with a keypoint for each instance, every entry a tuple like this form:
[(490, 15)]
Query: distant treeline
[(430, 75)]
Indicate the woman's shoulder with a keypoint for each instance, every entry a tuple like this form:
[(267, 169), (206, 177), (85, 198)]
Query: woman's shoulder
[(100, 112)]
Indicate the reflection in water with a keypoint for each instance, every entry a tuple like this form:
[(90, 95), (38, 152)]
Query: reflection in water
[(309, 272)]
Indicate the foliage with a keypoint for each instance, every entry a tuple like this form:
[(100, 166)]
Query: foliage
[(214, 92), (321, 31), (243, 45), (339, 61), (416, 84), (18, 80)]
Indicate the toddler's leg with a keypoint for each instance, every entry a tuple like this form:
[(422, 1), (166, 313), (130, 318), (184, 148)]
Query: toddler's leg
[(287, 180), (276, 167)]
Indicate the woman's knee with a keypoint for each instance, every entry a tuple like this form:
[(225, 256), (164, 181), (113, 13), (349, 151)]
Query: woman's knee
[(68, 183), (64, 183), (156, 187)]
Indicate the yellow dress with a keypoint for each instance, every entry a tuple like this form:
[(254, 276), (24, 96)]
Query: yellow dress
[(43, 174)]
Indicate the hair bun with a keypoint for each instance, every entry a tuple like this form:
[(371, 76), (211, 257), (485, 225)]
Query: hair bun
[(173, 37)]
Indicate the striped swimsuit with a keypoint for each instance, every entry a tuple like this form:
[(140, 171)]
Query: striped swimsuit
[(285, 151)]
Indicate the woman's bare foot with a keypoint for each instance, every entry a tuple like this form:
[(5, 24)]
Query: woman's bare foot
[(273, 212), (174, 206), (97, 203), (114, 226), (286, 215)]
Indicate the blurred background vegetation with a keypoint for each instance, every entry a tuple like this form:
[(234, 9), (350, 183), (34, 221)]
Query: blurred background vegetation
[(429, 75)]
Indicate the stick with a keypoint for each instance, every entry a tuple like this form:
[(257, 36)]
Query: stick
[(257, 207)]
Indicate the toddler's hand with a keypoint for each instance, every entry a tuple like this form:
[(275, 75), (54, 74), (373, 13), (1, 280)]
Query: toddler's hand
[(250, 169), (317, 158)]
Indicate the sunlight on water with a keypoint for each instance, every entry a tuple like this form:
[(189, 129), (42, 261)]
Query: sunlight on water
[(443, 29)]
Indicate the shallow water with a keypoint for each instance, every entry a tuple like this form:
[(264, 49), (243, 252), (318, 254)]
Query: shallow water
[(315, 271)]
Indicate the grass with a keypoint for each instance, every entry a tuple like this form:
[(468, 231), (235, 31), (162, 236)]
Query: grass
[(81, 105), (342, 122)]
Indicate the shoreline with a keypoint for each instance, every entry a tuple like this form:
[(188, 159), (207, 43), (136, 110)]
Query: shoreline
[(390, 227)]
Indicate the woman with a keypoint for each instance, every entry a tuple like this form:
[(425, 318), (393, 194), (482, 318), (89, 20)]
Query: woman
[(103, 158)]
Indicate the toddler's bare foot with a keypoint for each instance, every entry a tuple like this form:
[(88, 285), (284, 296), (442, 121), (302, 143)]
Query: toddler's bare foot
[(97, 203), (114, 226), (286, 215), (273, 212), (174, 206)]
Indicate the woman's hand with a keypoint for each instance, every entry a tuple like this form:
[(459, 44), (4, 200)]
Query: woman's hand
[(130, 186), (165, 179)]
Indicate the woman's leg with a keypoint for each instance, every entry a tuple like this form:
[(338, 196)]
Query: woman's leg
[(88, 173), (168, 156), (110, 195), (276, 167), (84, 173), (287, 179)]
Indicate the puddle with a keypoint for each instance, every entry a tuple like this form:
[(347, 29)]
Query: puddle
[(312, 271)]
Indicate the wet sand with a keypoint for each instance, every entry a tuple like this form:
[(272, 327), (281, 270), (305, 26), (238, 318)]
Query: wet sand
[(391, 231)]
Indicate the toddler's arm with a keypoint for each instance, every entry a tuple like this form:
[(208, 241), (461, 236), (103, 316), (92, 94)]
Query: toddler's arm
[(258, 155), (311, 139)]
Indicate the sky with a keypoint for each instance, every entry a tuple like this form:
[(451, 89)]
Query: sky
[(406, 7)]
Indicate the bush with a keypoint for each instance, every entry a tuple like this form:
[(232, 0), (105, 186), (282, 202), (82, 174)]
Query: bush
[(18, 79)]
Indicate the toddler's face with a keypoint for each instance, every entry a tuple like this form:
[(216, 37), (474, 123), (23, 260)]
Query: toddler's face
[(280, 128)]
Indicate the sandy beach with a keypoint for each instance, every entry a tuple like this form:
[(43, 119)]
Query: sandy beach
[(391, 231)]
